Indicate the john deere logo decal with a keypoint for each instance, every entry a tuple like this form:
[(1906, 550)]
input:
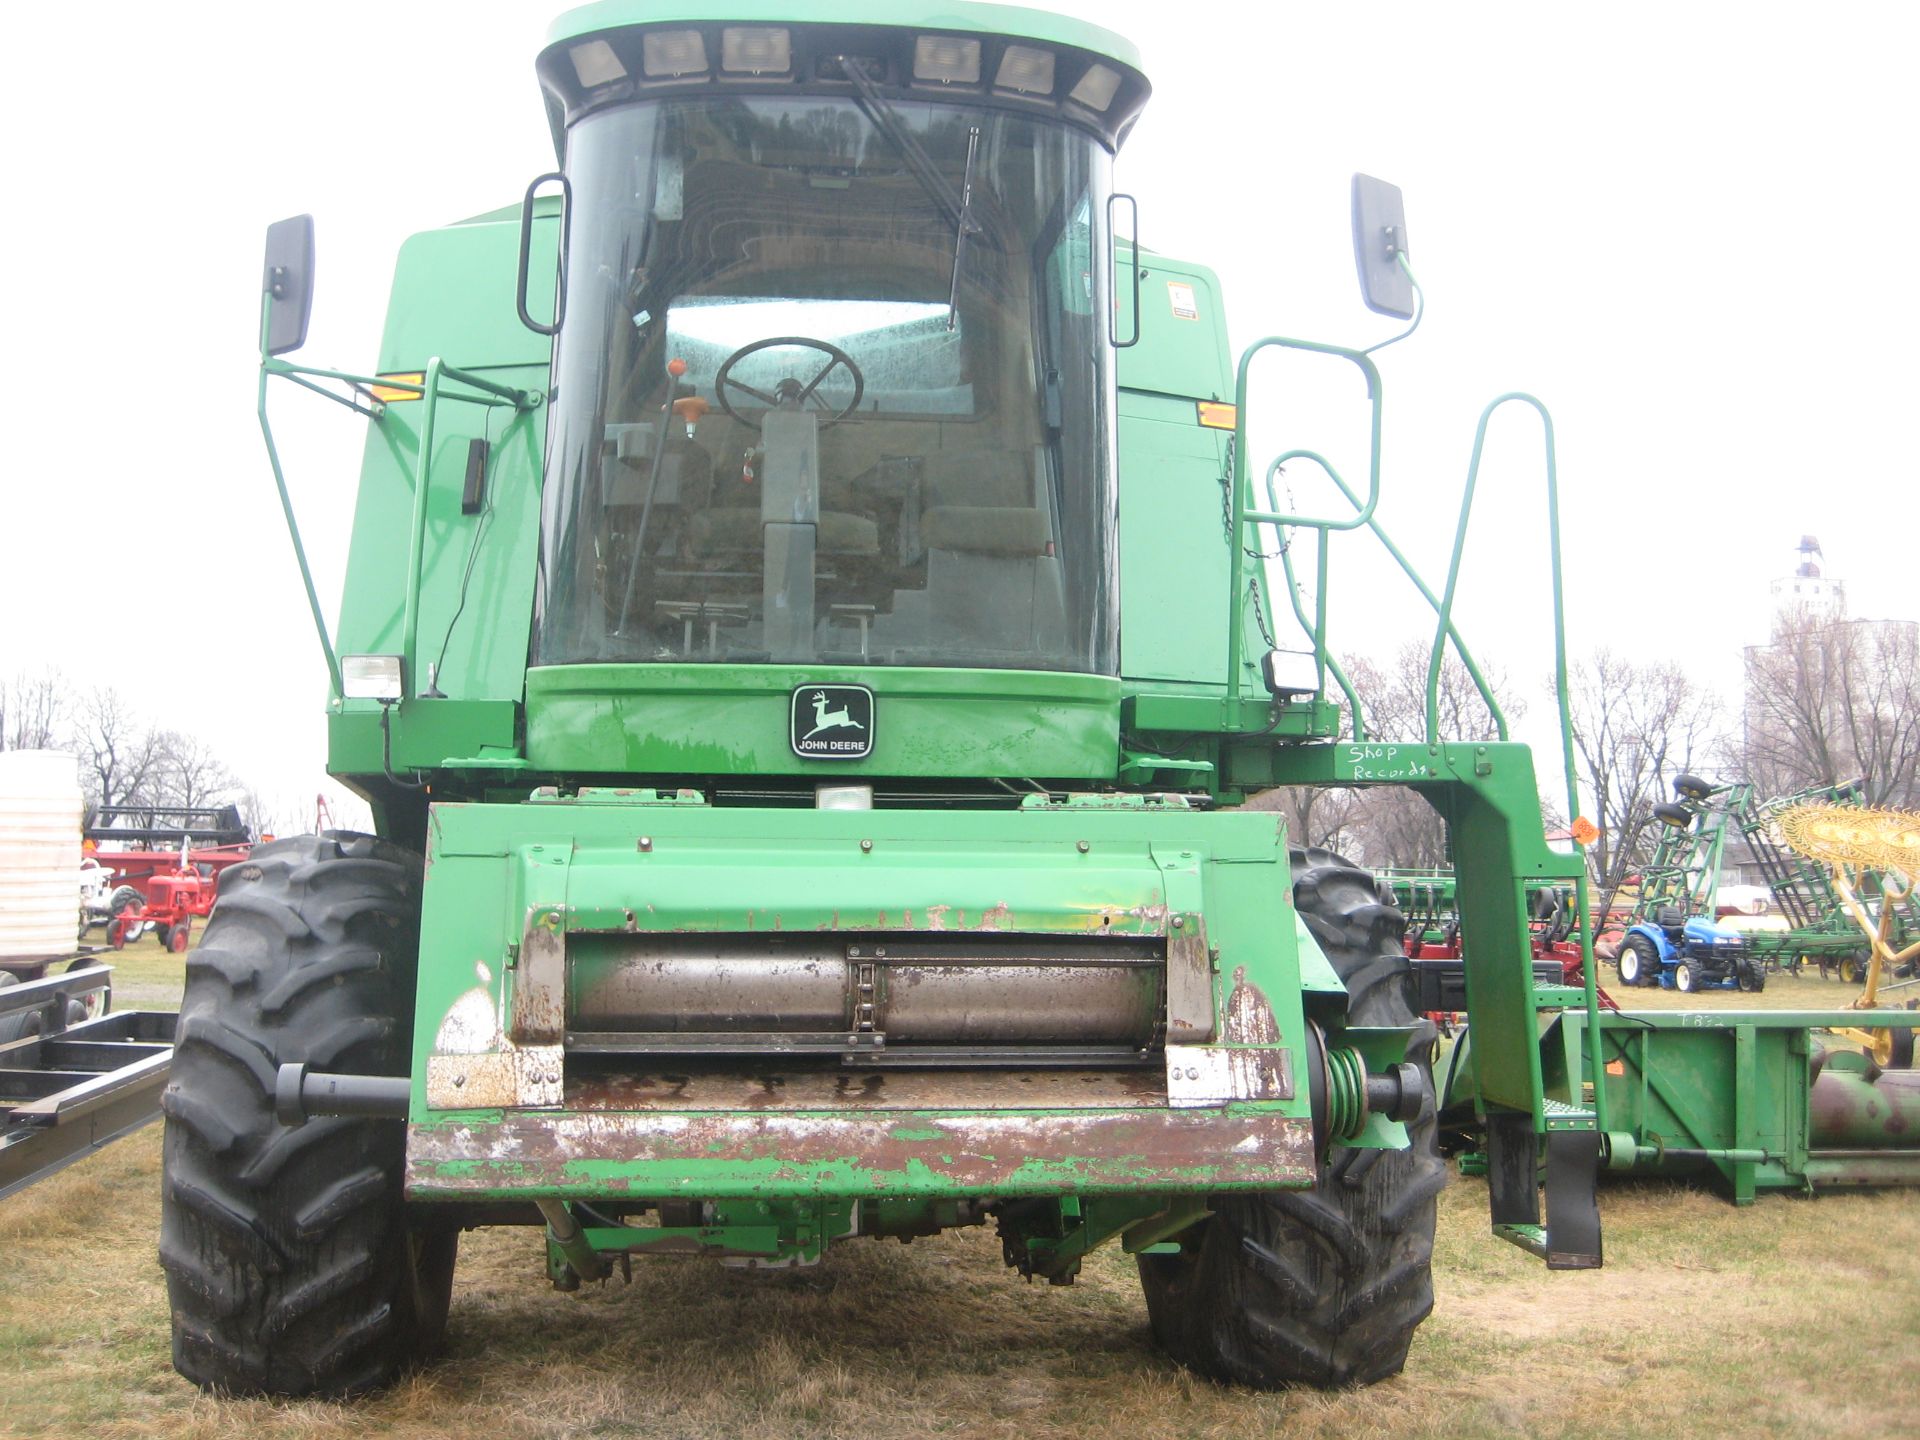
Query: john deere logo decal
[(832, 722)]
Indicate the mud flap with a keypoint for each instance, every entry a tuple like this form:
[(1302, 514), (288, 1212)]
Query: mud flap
[(1570, 1240), (1573, 1202)]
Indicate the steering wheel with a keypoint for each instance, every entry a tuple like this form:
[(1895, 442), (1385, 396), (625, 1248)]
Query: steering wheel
[(789, 391)]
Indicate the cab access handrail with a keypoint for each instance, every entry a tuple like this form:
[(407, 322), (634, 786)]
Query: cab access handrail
[(1585, 929), (1364, 515), (360, 401)]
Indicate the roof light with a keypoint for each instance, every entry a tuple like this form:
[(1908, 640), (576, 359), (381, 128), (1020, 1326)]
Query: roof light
[(370, 677), (596, 64), (947, 59), (1025, 69), (674, 52), (1096, 88), (755, 50)]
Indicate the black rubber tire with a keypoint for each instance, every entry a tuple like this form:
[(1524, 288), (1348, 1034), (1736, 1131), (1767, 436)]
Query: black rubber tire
[(124, 897), (1692, 787), (1851, 969), (292, 1268), (1320, 1287), (164, 934), (1901, 1047), (1686, 978), (1637, 962), (1750, 975), (20, 1023), (1668, 813)]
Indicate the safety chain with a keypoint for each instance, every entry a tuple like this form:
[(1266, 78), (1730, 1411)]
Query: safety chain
[(1260, 614), (1226, 512)]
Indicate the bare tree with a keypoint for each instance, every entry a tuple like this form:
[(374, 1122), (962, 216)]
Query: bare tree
[(1395, 825), (1635, 727), (1832, 701), (33, 710), (189, 773), (120, 753), (1317, 815)]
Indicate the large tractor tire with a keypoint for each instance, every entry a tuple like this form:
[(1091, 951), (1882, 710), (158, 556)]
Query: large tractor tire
[(1326, 1286), (292, 1267)]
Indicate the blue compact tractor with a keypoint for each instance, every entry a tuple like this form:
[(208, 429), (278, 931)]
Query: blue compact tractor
[(1678, 953)]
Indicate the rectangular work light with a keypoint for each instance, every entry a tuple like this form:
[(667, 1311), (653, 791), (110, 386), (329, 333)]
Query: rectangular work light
[(946, 60), (755, 50), (1096, 88), (371, 677), (1025, 69), (674, 52), (596, 64)]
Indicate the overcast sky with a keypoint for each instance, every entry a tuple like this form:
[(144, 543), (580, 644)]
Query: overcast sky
[(1685, 228)]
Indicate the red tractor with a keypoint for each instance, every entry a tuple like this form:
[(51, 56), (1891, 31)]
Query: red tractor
[(172, 874)]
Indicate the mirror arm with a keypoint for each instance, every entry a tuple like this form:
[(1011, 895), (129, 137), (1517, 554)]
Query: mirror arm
[(1419, 306)]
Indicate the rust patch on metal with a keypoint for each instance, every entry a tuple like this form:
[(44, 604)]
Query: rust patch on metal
[(539, 986), (1200, 1075), (820, 1089), (1189, 982), (1249, 1018), (755, 1154), (525, 1077)]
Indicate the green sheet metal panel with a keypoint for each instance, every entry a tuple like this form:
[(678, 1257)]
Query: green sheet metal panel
[(1173, 550), (734, 719)]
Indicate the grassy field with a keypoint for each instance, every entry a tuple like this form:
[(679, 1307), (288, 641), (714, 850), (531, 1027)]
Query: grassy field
[(1793, 1316)]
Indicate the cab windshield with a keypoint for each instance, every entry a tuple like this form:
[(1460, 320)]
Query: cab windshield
[(833, 385)]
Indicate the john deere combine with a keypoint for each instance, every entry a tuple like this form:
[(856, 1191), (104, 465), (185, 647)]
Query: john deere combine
[(801, 650)]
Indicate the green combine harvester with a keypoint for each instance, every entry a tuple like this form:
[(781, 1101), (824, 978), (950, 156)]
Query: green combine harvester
[(804, 652)]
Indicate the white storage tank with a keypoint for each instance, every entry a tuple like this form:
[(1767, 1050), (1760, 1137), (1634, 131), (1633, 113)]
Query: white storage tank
[(40, 814)]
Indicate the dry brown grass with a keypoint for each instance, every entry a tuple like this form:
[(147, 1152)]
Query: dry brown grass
[(1793, 1316), (1805, 991)]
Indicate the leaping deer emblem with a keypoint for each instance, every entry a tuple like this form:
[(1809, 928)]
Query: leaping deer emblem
[(825, 719)]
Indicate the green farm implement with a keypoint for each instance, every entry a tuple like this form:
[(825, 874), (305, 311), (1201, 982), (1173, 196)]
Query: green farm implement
[(803, 651)]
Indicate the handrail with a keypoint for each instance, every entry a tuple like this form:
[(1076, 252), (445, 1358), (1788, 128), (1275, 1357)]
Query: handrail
[(1318, 628), (1243, 512), (1560, 676), (492, 392), (286, 506)]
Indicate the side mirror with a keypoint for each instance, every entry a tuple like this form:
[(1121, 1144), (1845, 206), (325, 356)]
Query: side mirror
[(1379, 240), (288, 282)]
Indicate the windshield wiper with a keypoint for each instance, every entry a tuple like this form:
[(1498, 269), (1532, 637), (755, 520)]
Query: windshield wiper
[(957, 209), (967, 226)]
